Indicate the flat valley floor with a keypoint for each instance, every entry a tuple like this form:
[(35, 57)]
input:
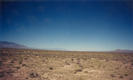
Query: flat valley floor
[(66, 66)]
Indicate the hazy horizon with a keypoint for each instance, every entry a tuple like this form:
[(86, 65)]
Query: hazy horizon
[(70, 25), (60, 49)]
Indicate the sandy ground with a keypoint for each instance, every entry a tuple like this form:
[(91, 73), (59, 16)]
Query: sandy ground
[(66, 66)]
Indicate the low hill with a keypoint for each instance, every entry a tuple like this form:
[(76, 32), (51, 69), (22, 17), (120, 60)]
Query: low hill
[(6, 44), (124, 51)]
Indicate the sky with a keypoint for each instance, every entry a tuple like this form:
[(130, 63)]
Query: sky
[(68, 25)]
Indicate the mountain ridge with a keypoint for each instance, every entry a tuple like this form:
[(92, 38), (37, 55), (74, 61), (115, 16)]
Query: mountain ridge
[(124, 50), (7, 44)]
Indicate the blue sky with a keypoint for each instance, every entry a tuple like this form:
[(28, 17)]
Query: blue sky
[(69, 25)]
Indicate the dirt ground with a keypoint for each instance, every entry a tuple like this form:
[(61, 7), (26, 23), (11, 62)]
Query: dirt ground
[(66, 66)]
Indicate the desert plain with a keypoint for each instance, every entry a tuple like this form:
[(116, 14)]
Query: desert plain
[(65, 65)]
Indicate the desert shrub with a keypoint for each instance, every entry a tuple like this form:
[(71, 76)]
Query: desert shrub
[(121, 76), (26, 78), (18, 67), (9, 71), (33, 75), (72, 59), (43, 61), (2, 74), (117, 68), (112, 75), (85, 71), (92, 66), (80, 66), (130, 79), (1, 63), (20, 62), (25, 58), (67, 63), (46, 78), (12, 61), (126, 74), (3, 58), (78, 70), (50, 68), (24, 65)]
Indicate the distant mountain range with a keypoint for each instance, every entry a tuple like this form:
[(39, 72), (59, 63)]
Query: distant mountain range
[(124, 51), (6, 44)]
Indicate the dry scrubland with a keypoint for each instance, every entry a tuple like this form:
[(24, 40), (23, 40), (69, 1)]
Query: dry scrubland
[(56, 65)]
